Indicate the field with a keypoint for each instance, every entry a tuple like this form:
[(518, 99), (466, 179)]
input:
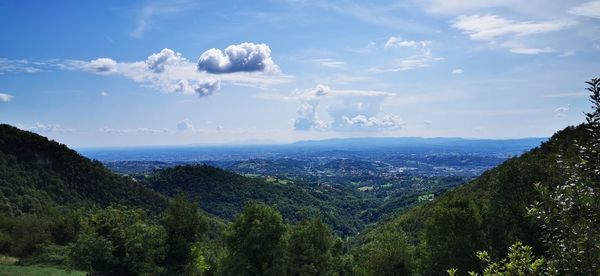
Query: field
[(15, 270)]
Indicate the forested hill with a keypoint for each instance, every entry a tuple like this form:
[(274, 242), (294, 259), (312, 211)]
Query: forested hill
[(224, 194), (489, 213), (36, 173)]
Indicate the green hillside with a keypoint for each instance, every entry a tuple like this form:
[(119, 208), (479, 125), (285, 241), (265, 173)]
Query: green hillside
[(36, 172), (224, 194), (489, 213)]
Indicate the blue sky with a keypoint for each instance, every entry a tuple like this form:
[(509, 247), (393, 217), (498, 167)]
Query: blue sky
[(123, 73)]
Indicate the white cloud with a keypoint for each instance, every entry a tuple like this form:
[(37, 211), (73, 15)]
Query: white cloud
[(185, 125), (490, 27), (329, 62), (169, 71), (166, 57), (423, 59), (132, 130), (306, 117), (206, 87), (412, 62), (396, 42), (20, 66), (245, 57), (149, 12), (588, 9), (567, 94), (561, 112), (45, 128), (427, 122), (5, 97), (163, 71), (350, 110), (507, 33), (455, 6), (363, 122), (101, 66), (531, 51), (567, 54), (104, 94), (324, 92), (457, 71)]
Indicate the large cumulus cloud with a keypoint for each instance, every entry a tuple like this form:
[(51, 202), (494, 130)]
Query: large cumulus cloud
[(245, 57), (349, 110)]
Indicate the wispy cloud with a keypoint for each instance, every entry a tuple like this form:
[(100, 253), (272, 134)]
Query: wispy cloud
[(329, 62), (490, 27), (20, 66), (424, 57), (45, 128), (530, 51), (384, 15), (5, 97), (588, 9), (567, 95), (562, 111), (457, 71), (186, 126), (507, 33), (149, 13), (132, 130), (396, 42)]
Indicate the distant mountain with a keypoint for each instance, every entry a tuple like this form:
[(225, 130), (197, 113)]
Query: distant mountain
[(36, 172), (489, 213), (425, 144), (225, 153)]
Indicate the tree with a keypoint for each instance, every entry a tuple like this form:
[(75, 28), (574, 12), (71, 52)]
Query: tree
[(185, 226), (570, 213), (309, 248), (255, 242), (453, 231), (389, 253), (118, 241), (520, 261)]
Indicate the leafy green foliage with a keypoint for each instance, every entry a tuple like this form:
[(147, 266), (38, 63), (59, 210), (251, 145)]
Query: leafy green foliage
[(256, 242), (520, 261), (569, 213), (389, 254), (118, 241), (185, 226), (309, 248)]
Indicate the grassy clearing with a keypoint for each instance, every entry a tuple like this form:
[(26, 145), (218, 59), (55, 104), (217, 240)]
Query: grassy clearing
[(15, 270)]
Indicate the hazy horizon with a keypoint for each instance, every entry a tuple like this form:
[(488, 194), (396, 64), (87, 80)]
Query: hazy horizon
[(259, 143)]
